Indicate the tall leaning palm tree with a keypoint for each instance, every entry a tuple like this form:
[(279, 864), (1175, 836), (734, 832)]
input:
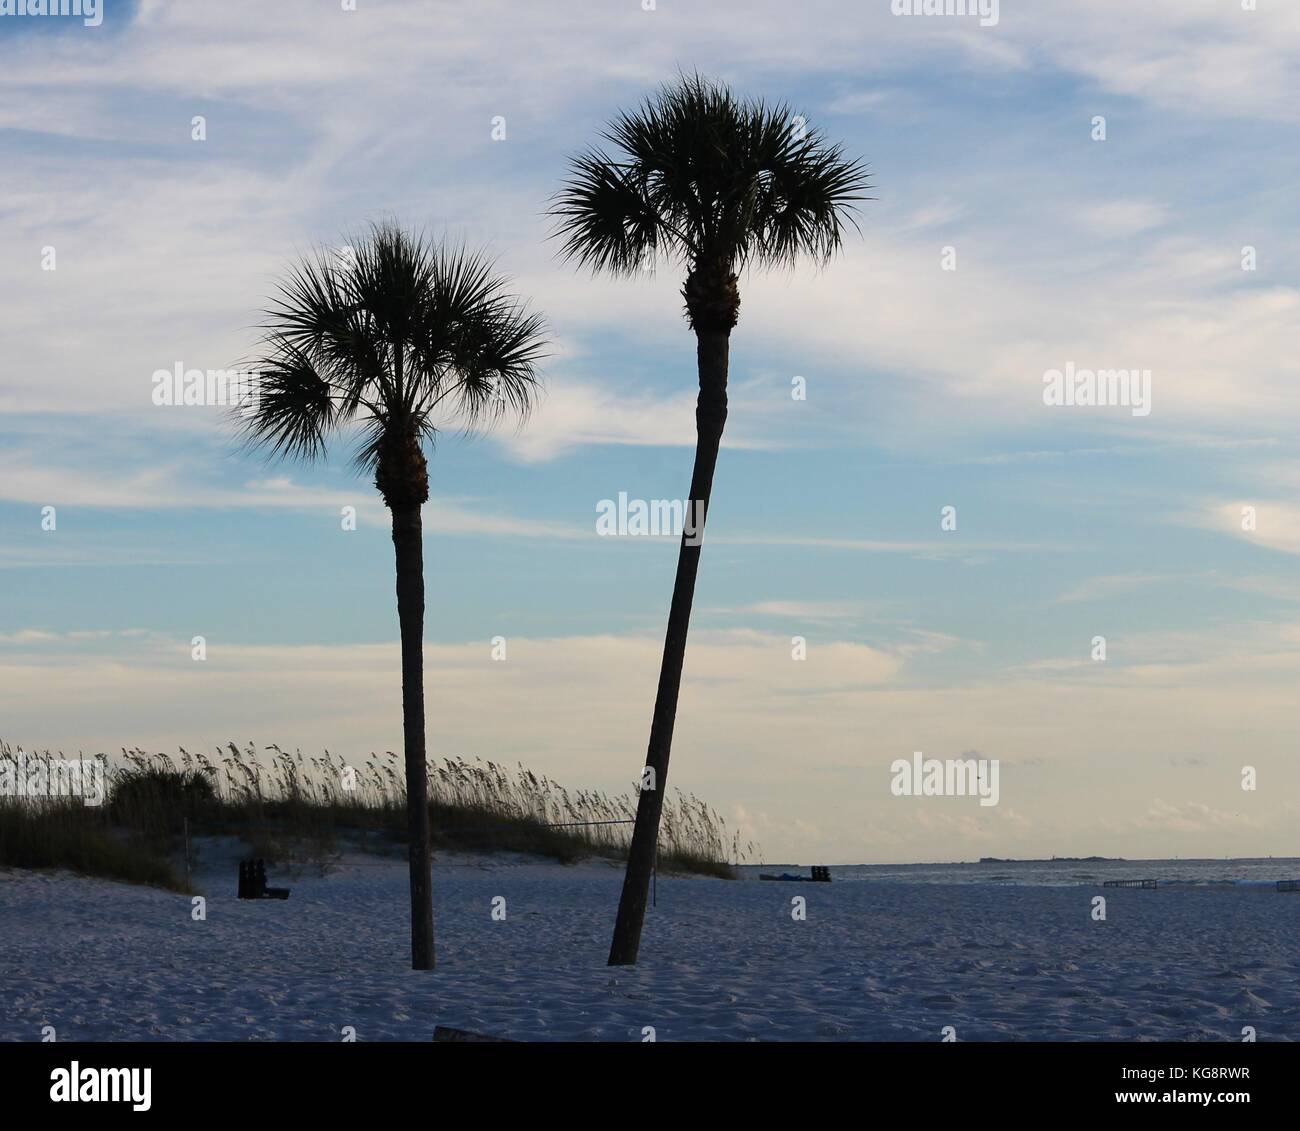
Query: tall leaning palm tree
[(714, 184), (388, 341)]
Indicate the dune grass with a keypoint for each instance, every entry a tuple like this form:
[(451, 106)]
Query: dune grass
[(299, 808), (68, 835)]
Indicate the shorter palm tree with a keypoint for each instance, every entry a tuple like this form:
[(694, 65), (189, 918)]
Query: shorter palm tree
[(387, 341)]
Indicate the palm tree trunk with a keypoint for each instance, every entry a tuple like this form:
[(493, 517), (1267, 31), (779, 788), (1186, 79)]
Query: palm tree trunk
[(408, 546), (710, 418)]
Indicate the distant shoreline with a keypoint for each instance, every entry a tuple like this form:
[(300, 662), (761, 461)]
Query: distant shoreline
[(990, 860), (1057, 860)]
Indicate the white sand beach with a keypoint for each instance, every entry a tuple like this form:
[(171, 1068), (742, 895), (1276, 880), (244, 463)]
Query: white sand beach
[(721, 960)]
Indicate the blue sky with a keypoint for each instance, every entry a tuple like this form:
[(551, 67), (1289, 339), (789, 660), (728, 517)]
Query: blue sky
[(924, 390)]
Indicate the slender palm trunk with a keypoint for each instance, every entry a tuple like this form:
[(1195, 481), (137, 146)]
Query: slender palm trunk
[(409, 549), (710, 418)]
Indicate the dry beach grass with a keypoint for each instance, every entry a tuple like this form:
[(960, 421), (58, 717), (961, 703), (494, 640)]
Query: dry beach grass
[(293, 807)]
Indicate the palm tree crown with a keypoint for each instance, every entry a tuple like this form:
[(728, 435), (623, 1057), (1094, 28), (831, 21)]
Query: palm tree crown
[(713, 182), (393, 335)]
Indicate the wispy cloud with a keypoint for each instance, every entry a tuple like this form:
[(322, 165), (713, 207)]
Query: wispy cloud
[(174, 487)]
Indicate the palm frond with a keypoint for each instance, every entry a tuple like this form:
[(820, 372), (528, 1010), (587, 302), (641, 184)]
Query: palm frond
[(696, 174), (398, 335), (606, 216), (293, 407)]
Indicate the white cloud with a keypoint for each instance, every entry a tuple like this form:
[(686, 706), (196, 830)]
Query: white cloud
[(25, 478), (1277, 524), (168, 254), (808, 610), (1120, 218), (1186, 57), (755, 728), (578, 413)]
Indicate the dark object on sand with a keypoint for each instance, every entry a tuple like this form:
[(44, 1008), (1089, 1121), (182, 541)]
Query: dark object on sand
[(252, 882), (444, 1033), (821, 874), (1288, 885), (1129, 884)]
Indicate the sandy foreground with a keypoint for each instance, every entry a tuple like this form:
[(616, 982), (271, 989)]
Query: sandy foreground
[(720, 960)]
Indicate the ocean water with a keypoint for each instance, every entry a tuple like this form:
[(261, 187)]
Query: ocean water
[(1059, 873)]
